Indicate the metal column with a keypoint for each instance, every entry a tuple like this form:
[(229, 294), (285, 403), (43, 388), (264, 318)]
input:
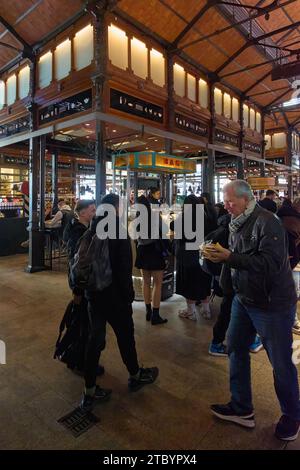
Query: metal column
[(289, 162), (100, 164), (239, 168), (54, 178), (211, 174), (42, 182), (36, 237)]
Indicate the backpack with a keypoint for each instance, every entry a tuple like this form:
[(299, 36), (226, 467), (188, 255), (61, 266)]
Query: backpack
[(90, 268), (73, 334)]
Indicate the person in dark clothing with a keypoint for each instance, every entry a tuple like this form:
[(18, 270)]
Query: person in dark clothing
[(154, 195), (113, 305), (220, 209), (151, 261), (290, 217), (211, 214), (85, 210), (257, 268), (191, 281), (268, 202)]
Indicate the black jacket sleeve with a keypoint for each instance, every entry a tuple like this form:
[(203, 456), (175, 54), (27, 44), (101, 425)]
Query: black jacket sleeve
[(271, 252), (123, 270)]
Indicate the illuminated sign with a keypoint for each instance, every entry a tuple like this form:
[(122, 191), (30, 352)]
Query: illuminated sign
[(15, 127), (132, 105), (169, 162), (66, 107), (257, 182), (190, 125), (152, 161), (229, 139)]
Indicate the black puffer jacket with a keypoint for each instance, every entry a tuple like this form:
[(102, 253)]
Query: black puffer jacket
[(72, 233), (260, 270), (121, 290)]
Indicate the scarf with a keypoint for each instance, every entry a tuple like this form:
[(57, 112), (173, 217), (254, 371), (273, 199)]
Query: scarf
[(237, 222)]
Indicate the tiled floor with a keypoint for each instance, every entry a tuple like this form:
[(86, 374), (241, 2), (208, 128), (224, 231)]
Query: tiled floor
[(36, 390)]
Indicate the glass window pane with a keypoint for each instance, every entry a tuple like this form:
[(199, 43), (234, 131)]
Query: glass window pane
[(246, 115), (203, 93), (62, 57), (235, 109), (2, 94), (268, 141), (258, 122), (139, 58), (157, 67), (191, 86), (11, 85), (83, 47), (252, 119), (218, 100), (45, 70), (24, 77), (179, 80), (117, 47), (279, 140), (227, 105)]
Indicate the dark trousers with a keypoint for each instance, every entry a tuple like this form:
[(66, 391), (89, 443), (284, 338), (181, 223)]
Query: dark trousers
[(103, 309), (275, 329), (221, 325)]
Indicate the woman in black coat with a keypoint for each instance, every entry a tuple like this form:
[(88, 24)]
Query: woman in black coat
[(150, 260), (191, 281)]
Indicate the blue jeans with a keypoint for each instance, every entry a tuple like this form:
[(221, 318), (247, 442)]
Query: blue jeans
[(275, 330)]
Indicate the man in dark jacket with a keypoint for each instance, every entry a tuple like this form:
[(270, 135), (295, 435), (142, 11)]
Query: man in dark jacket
[(113, 305), (268, 202), (257, 267), (85, 211)]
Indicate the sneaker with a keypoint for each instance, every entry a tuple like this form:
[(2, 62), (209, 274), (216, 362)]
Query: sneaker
[(256, 345), (287, 429), (158, 320), (187, 315), (146, 377), (89, 401), (206, 314), (218, 350), (296, 327), (226, 413)]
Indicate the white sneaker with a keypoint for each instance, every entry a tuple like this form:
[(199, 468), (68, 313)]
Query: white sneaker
[(206, 314), (183, 313)]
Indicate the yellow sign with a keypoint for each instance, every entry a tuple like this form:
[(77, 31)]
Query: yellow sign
[(261, 182), (122, 161), (172, 163)]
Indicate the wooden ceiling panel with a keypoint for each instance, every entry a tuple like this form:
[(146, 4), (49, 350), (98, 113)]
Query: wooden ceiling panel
[(13, 9), (242, 81), (194, 6), (207, 55), (46, 17), (278, 19), (155, 16)]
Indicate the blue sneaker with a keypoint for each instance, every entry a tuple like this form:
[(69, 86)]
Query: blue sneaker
[(256, 345), (218, 349)]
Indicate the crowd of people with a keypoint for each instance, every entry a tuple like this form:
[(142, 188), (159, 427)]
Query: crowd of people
[(247, 260)]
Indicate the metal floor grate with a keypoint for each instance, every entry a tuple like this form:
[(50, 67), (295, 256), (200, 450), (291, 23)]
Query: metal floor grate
[(78, 421)]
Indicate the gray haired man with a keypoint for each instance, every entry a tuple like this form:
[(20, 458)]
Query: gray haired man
[(256, 266)]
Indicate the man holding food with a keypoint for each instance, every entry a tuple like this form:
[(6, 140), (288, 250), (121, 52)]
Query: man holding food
[(256, 266)]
